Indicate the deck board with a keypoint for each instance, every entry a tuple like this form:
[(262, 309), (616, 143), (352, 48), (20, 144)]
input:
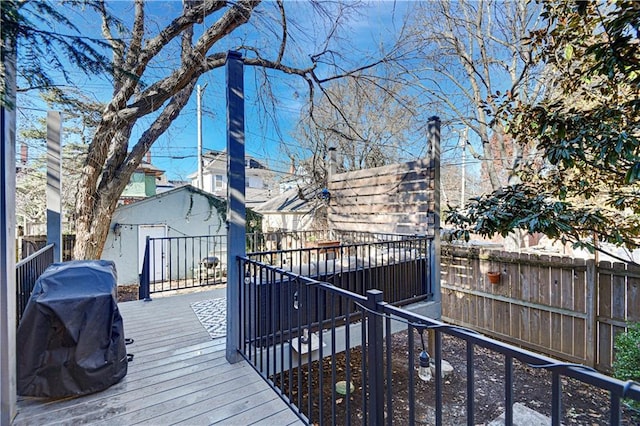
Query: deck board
[(179, 375)]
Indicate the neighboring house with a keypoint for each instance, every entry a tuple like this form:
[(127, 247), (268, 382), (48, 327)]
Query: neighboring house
[(164, 185), (183, 211), (142, 184), (260, 182), (146, 181), (295, 210)]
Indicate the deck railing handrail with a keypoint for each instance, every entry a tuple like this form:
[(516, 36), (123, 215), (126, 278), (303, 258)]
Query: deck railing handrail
[(28, 270), (407, 239), (34, 255), (272, 353), (180, 262), (618, 389)]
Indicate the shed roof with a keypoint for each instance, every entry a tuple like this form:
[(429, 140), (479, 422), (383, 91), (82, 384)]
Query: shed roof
[(164, 194), (295, 200)]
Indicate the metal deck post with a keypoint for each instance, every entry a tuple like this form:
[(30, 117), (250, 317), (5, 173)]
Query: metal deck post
[(236, 210), (54, 184)]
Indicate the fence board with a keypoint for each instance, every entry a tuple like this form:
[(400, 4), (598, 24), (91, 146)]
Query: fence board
[(605, 341), (420, 164), (579, 291), (377, 198), (566, 284), (536, 326), (618, 287), (487, 311), (579, 339), (566, 334), (527, 278), (569, 308), (524, 324), (536, 283), (633, 293)]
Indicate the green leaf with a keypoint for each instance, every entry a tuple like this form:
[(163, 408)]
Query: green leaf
[(568, 52)]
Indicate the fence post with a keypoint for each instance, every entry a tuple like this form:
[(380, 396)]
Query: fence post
[(375, 357), (591, 307)]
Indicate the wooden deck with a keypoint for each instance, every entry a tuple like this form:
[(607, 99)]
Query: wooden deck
[(179, 376)]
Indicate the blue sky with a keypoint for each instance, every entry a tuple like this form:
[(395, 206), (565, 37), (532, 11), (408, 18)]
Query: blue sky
[(176, 151), (262, 139)]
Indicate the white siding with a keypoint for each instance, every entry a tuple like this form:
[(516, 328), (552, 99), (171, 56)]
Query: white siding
[(182, 211)]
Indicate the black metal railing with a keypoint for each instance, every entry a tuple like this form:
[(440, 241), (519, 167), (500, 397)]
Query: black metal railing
[(327, 352), (354, 260), (175, 263), (291, 240), (397, 267), (27, 272)]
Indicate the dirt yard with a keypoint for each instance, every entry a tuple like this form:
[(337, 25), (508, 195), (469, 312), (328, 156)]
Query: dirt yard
[(582, 404)]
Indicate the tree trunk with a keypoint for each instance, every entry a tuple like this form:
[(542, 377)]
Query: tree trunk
[(95, 209), (91, 233)]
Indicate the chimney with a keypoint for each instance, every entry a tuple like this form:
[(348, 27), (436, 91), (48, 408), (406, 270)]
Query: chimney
[(24, 153), (292, 167), (149, 156)]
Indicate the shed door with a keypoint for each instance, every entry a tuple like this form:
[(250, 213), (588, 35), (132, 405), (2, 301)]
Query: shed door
[(157, 256)]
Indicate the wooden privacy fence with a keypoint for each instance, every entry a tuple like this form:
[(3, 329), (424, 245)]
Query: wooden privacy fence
[(565, 307), (30, 244), (380, 198)]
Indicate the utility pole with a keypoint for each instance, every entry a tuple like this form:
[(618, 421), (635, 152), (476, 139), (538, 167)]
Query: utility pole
[(464, 166), (199, 112)]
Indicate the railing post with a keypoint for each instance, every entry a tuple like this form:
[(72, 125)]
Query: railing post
[(54, 174), (8, 375), (236, 209), (433, 131), (144, 292), (375, 357)]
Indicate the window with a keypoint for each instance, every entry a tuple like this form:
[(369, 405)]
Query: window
[(219, 182)]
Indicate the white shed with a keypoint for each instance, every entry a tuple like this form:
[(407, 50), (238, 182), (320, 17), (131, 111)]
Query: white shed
[(184, 211), (294, 210)]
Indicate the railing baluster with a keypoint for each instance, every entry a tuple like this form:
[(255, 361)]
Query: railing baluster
[(374, 345), (438, 354), (389, 370), (347, 339), (412, 370), (556, 394), (321, 316), (299, 342), (508, 390), (334, 378), (614, 410), (365, 374), (283, 297), (309, 362), (28, 271), (470, 384)]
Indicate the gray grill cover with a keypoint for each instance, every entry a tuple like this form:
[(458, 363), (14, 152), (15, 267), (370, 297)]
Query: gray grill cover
[(70, 340)]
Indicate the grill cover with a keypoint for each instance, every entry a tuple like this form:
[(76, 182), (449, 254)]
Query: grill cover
[(70, 340)]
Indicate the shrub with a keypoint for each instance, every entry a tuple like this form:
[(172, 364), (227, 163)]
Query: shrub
[(626, 365)]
